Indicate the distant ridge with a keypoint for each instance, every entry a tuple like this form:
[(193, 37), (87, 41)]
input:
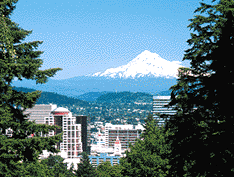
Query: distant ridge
[(54, 98), (91, 96), (74, 87), (129, 97), (108, 97), (125, 97)]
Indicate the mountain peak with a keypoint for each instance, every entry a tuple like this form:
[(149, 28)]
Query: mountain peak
[(145, 64), (146, 52)]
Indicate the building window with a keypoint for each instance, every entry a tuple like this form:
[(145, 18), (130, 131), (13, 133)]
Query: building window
[(101, 160)]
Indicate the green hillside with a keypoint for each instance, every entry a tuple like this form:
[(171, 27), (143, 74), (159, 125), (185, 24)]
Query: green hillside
[(128, 97), (125, 97), (54, 98)]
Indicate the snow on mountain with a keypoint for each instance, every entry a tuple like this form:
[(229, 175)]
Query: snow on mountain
[(145, 64)]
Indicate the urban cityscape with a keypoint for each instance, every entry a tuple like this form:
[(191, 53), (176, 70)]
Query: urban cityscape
[(110, 141), (116, 88)]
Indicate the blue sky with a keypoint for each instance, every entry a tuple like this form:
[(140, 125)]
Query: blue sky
[(84, 37)]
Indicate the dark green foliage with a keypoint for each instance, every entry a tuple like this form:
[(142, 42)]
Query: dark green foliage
[(36, 169), (106, 170), (204, 119), (57, 167), (19, 60), (148, 157), (85, 168)]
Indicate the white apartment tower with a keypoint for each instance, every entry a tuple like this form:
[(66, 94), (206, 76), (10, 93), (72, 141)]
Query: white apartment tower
[(72, 132)]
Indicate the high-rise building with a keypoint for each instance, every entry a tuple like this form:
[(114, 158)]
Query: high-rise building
[(62, 117), (72, 132), (85, 132), (158, 108)]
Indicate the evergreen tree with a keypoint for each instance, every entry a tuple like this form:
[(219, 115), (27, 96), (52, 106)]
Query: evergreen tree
[(36, 169), (19, 60), (148, 157), (106, 170), (57, 167), (85, 168), (204, 119)]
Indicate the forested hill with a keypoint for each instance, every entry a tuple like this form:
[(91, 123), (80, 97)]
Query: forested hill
[(127, 97), (112, 97), (124, 97), (54, 98)]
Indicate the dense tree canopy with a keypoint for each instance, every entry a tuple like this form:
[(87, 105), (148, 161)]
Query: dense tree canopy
[(148, 157), (204, 119), (19, 60), (106, 170), (57, 167)]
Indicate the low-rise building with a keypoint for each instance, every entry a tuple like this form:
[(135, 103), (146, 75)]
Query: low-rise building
[(103, 157)]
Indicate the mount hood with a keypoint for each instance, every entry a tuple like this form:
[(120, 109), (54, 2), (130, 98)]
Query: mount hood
[(145, 64)]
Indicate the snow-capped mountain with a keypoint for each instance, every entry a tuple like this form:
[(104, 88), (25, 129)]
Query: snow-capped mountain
[(148, 72), (145, 64)]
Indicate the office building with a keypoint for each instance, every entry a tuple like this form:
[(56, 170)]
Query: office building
[(124, 133), (85, 132), (158, 108)]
